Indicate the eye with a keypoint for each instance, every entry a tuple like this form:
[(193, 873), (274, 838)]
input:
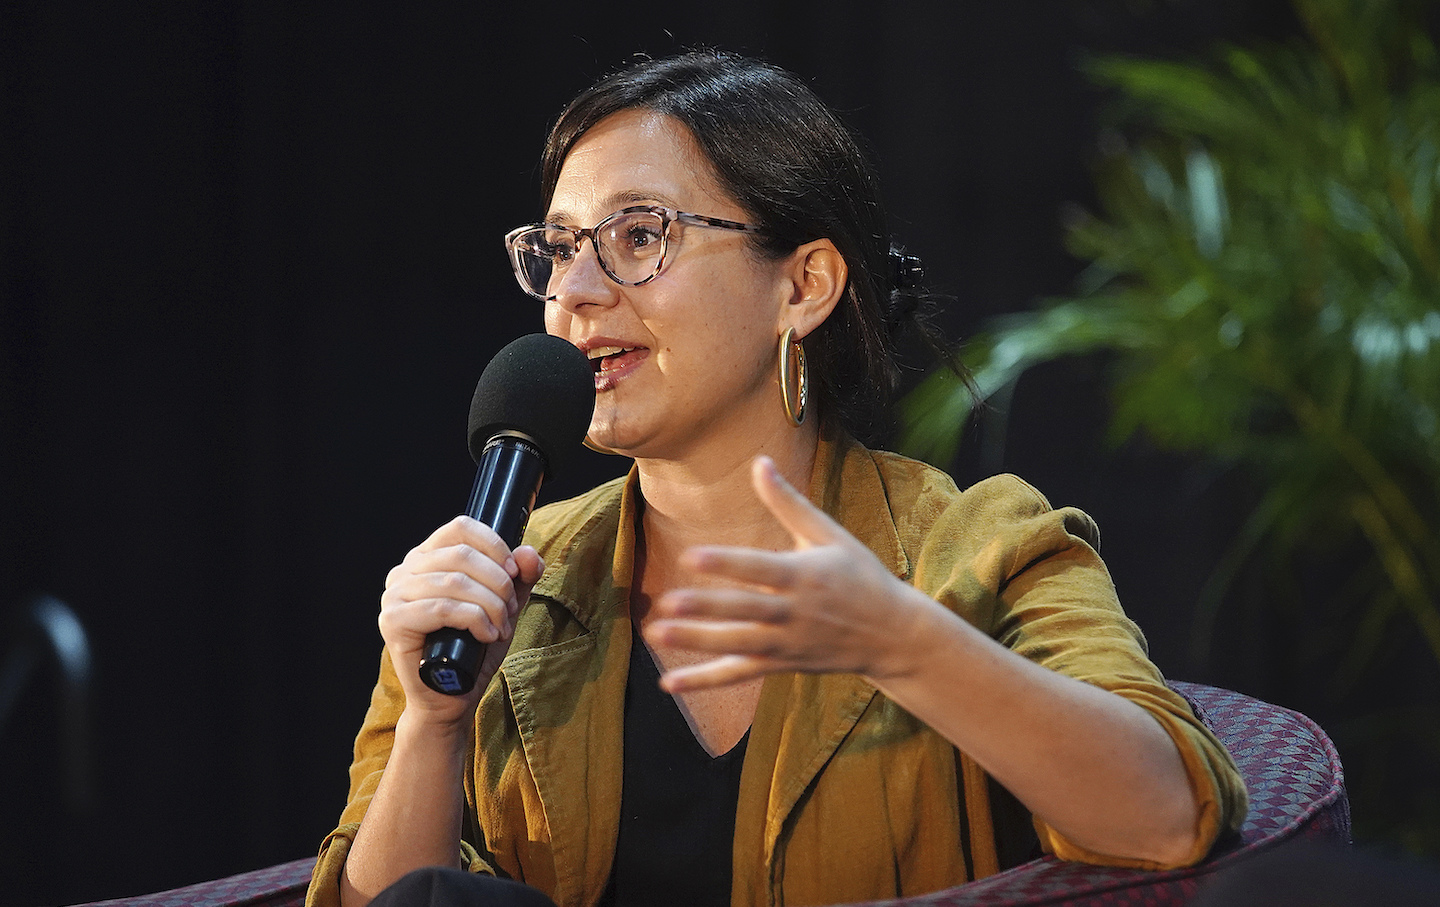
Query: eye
[(643, 235), (639, 236), (559, 248)]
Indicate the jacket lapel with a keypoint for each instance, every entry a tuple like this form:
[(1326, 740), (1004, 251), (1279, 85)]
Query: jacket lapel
[(569, 697), (802, 719), (568, 701)]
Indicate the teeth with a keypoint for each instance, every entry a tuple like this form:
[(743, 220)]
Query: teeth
[(600, 352)]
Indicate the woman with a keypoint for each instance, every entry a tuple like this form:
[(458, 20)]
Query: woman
[(878, 679)]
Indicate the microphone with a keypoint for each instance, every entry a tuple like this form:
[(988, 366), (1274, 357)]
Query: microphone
[(531, 410)]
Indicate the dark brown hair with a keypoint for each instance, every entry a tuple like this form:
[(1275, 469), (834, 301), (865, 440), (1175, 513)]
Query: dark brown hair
[(786, 158)]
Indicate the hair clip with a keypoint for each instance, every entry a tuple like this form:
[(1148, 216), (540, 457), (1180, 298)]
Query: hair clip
[(906, 271)]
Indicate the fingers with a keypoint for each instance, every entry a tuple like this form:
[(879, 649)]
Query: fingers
[(725, 604), (448, 569), (410, 620), (807, 523), (729, 623), (531, 568), (820, 607), (750, 566), (463, 531), (420, 603), (462, 576), (729, 637), (529, 565), (723, 671)]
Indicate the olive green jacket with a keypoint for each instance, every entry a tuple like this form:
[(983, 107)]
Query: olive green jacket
[(844, 796)]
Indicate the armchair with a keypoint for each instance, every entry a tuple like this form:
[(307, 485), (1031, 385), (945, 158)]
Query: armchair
[(1290, 766)]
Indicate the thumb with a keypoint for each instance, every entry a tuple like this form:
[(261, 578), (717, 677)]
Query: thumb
[(529, 569), (807, 523)]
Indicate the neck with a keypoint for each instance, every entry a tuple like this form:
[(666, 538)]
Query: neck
[(710, 499)]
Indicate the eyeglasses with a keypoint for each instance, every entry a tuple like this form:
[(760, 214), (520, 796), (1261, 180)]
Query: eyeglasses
[(630, 244)]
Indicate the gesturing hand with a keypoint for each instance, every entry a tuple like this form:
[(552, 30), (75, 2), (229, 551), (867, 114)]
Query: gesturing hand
[(829, 605)]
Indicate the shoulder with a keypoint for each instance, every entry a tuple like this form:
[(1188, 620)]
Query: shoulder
[(998, 550), (918, 482), (921, 496), (967, 546)]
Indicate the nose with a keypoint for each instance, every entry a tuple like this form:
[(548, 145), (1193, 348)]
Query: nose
[(585, 282)]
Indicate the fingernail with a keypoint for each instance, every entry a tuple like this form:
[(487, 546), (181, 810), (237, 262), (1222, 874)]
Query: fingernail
[(768, 466), (692, 558)]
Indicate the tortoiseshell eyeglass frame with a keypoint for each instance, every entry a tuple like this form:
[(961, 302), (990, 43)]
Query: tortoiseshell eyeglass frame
[(667, 217)]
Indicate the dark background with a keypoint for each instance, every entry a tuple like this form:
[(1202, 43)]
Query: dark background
[(250, 268)]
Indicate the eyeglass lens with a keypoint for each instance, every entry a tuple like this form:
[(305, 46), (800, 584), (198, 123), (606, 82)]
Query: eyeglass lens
[(630, 245)]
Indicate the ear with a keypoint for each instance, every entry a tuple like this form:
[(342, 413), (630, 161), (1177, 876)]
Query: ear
[(815, 281)]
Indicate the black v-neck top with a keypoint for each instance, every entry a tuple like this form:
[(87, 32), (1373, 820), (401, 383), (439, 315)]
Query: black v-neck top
[(677, 803)]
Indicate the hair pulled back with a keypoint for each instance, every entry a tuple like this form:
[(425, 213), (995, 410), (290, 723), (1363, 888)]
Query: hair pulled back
[(786, 158)]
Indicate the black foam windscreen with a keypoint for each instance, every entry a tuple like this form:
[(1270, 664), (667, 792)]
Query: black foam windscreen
[(539, 385)]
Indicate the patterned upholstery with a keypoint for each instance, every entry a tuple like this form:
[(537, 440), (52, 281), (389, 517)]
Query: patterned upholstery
[(1290, 766), (1296, 789), (275, 886)]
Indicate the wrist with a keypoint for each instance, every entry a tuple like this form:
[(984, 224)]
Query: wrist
[(435, 725), (921, 628)]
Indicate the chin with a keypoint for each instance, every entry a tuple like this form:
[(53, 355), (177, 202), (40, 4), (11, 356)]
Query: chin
[(621, 429), (635, 445), (612, 440)]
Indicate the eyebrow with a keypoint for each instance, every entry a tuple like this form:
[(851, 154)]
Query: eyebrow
[(616, 201)]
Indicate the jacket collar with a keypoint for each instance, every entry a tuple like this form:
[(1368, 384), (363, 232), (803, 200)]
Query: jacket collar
[(848, 486), (588, 545), (845, 483), (800, 721)]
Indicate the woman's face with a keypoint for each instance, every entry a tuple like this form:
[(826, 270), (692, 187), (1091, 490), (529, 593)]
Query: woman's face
[(690, 356)]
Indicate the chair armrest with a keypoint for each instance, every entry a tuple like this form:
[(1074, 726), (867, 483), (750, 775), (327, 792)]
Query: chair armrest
[(274, 886), (1290, 766), (1297, 790)]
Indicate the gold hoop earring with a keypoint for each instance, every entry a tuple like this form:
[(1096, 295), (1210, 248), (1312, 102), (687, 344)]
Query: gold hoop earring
[(793, 369)]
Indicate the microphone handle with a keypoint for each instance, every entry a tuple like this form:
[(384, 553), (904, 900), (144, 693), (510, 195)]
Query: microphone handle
[(506, 482)]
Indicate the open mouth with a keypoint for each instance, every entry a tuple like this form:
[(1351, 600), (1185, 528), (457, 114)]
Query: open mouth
[(609, 358), (613, 364)]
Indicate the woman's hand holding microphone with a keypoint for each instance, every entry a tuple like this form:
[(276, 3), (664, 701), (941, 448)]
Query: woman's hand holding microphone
[(462, 576)]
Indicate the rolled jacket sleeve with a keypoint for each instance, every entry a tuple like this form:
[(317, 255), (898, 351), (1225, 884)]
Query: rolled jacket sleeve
[(372, 752), (1039, 587)]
